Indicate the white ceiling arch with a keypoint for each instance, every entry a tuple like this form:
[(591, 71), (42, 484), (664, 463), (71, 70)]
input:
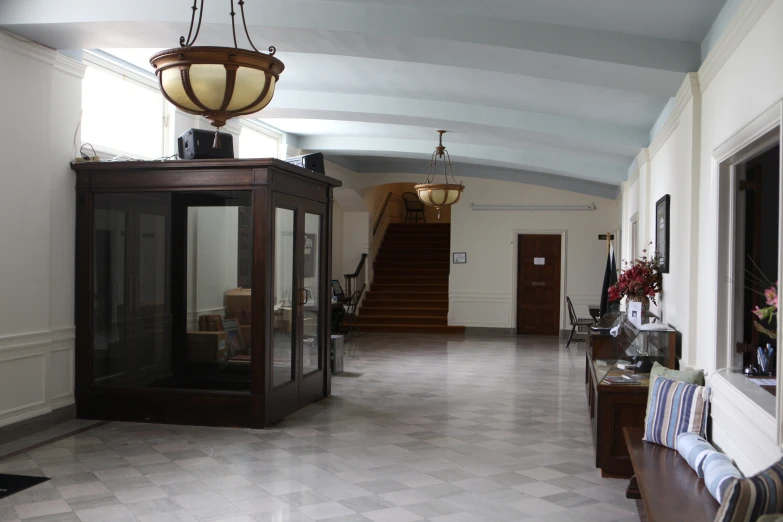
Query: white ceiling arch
[(561, 88)]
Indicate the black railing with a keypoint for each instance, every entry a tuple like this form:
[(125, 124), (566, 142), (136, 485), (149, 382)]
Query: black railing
[(357, 280), (379, 217)]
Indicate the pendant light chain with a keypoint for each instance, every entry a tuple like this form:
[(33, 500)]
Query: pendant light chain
[(188, 42)]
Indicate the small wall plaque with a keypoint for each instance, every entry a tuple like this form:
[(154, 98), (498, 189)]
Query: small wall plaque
[(539, 260), (460, 258)]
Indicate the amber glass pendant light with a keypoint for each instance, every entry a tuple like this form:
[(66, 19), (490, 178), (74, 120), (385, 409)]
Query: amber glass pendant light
[(218, 83)]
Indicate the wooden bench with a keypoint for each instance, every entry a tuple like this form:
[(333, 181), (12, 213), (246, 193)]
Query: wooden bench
[(669, 487)]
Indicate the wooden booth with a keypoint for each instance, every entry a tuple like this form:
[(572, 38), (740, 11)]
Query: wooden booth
[(202, 290)]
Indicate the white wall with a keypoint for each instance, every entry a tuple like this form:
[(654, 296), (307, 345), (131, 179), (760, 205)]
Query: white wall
[(356, 233), (741, 78), (749, 82), (481, 292), (212, 259), (42, 105)]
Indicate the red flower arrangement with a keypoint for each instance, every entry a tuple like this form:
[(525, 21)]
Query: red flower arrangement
[(641, 278)]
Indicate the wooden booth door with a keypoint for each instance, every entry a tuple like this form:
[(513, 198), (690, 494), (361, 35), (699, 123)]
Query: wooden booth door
[(538, 284), (298, 358)]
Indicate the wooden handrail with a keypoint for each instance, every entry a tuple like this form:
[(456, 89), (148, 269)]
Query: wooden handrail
[(379, 217), (358, 267), (356, 281)]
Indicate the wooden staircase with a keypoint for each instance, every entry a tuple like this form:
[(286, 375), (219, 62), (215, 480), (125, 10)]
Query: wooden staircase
[(410, 288)]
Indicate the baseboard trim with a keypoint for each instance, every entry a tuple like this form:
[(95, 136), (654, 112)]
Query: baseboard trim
[(487, 330), (31, 426)]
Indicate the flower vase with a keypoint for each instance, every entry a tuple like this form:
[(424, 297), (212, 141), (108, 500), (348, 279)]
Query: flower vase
[(645, 306)]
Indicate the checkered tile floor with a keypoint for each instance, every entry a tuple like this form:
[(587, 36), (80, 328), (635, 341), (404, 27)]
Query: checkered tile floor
[(435, 428)]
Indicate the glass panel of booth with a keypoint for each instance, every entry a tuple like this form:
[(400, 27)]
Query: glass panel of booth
[(148, 247)]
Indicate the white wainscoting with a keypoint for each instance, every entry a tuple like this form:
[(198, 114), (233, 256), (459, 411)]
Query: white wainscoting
[(744, 428), (481, 309), (496, 309), (36, 374), (581, 303)]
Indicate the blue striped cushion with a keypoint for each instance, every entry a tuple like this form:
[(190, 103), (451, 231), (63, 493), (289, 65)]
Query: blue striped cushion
[(719, 472), (695, 450), (747, 499), (675, 407)]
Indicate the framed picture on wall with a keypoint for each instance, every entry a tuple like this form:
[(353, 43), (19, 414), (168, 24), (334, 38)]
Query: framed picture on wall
[(662, 232), (460, 258)]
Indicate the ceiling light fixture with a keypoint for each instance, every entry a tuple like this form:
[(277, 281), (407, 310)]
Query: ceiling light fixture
[(218, 83), (440, 194)]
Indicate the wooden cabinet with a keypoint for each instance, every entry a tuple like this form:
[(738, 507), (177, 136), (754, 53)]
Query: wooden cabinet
[(615, 406), (162, 249)]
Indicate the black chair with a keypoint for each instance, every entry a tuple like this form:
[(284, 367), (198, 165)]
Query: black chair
[(414, 208), (576, 322), (350, 326)]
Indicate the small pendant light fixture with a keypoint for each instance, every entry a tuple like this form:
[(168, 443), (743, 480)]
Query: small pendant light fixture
[(218, 83), (440, 194)]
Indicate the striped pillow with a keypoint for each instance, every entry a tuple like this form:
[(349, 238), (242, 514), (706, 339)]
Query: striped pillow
[(695, 450), (749, 498), (719, 474), (675, 408)]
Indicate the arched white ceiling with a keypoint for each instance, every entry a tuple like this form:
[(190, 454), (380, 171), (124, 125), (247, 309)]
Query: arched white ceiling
[(562, 88)]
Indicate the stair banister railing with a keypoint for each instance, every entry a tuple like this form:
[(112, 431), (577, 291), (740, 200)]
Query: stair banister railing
[(380, 225), (357, 279)]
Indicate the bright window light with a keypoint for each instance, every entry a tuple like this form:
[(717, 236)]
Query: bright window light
[(256, 144), (121, 115)]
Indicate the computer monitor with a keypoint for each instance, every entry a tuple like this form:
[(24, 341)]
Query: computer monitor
[(337, 290)]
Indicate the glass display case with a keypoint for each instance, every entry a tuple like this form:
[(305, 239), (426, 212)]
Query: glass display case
[(633, 350)]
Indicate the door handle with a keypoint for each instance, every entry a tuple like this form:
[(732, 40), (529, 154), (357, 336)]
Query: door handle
[(538, 283), (306, 298)]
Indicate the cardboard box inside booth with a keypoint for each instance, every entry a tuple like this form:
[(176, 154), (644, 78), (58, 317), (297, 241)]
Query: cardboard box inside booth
[(206, 347)]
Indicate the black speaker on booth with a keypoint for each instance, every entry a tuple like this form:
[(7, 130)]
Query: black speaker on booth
[(314, 162), (198, 144)]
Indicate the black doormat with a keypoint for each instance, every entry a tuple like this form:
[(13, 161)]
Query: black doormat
[(10, 484)]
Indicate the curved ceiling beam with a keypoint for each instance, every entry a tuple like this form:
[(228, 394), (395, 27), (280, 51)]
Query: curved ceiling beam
[(586, 166), (378, 171), (358, 29), (493, 122)]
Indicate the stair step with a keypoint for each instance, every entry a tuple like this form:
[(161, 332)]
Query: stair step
[(411, 320), (405, 234), (402, 301), (407, 288), (382, 265), (412, 251), (412, 272), (413, 256), (403, 279), (408, 328), (402, 296), (370, 310)]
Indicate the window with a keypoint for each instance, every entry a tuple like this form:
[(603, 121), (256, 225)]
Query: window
[(756, 257), (635, 236), (121, 115), (257, 143)]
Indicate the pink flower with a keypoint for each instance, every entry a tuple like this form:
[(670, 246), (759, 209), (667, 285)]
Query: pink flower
[(758, 312), (771, 294)]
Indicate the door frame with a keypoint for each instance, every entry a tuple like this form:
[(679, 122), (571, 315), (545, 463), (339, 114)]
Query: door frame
[(514, 262)]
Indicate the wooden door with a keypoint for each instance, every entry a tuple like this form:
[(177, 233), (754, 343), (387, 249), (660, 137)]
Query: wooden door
[(314, 329), (538, 284), (300, 333)]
